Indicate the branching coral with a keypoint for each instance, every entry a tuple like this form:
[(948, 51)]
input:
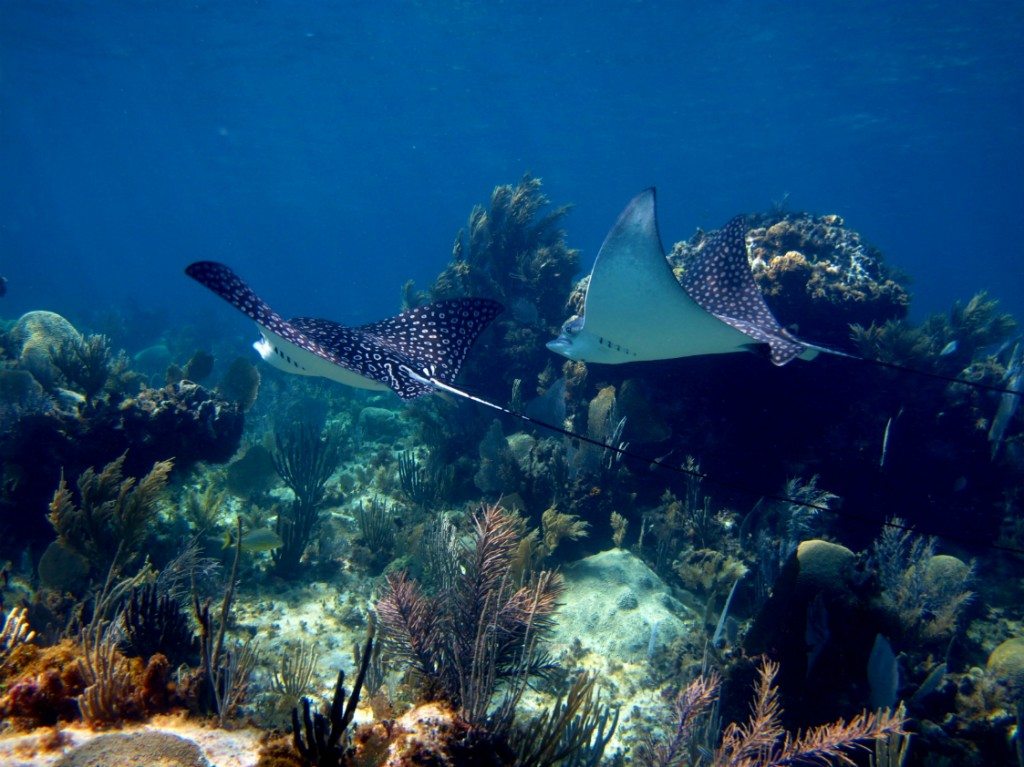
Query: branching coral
[(691, 519), (153, 622), (762, 741), (802, 511), (423, 485), (708, 571), (482, 627), (113, 513), (108, 696), (323, 741), (925, 592), (376, 530), (203, 510), (619, 525), (15, 631), (558, 525), (693, 703), (305, 460), (86, 364), (293, 678), (223, 674), (979, 322), (512, 250), (497, 470), (516, 253), (947, 343), (576, 726)]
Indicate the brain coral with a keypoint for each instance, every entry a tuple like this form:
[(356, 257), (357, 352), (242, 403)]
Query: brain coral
[(35, 334)]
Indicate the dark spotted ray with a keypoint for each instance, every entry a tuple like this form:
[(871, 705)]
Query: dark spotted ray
[(412, 353), (635, 308)]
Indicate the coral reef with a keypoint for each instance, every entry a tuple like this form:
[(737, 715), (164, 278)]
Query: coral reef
[(513, 252), (182, 421), (741, 504)]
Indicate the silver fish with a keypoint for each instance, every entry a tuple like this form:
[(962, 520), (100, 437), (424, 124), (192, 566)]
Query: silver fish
[(1009, 401)]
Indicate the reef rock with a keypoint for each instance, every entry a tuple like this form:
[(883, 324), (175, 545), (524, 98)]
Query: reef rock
[(378, 424), (614, 604), (154, 749), (182, 420)]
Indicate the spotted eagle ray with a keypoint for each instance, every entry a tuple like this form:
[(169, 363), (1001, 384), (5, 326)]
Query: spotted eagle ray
[(635, 308), (413, 353)]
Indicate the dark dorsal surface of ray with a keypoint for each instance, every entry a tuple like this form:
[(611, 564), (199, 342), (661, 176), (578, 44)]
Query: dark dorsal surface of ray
[(431, 340), (719, 279), (437, 335)]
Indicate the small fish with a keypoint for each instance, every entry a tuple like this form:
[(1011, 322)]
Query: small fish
[(885, 443), (885, 438), (256, 541), (1009, 401), (948, 349)]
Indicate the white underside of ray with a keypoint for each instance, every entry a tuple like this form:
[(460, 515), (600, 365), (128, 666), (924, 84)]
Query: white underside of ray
[(286, 356), (635, 308)]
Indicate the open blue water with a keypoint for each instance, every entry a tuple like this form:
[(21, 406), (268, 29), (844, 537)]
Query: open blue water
[(330, 151)]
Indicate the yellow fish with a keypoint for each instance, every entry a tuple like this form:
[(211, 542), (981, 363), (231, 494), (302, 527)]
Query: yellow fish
[(256, 541)]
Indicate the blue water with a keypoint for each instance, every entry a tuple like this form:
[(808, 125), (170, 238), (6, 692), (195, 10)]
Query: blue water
[(330, 153)]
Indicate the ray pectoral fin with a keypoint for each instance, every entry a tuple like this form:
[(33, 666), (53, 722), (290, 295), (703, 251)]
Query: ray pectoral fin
[(720, 280), (221, 280), (635, 308), (225, 283), (436, 337), (400, 353)]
